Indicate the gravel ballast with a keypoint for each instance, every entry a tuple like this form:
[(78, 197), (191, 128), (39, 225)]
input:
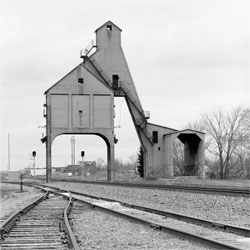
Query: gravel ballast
[(220, 208), (98, 230), (12, 199)]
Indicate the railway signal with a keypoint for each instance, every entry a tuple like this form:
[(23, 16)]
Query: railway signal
[(82, 154), (34, 165)]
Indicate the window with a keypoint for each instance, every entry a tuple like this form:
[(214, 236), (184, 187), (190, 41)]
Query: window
[(115, 81), (80, 80), (109, 27), (155, 136)]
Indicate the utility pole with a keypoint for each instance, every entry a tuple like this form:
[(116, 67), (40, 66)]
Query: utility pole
[(8, 152), (21, 182), (73, 141)]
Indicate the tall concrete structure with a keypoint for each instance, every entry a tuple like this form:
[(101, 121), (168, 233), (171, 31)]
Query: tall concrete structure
[(73, 151), (82, 102)]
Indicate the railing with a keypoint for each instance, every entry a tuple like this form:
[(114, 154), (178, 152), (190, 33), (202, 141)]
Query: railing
[(86, 51)]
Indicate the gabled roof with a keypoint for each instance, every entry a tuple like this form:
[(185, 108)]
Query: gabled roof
[(163, 127), (187, 131), (60, 80), (91, 71), (108, 23), (190, 130)]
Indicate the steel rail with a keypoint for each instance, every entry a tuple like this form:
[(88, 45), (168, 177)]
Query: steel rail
[(180, 233), (69, 233), (71, 237), (194, 188), (208, 223), (10, 221), (194, 220)]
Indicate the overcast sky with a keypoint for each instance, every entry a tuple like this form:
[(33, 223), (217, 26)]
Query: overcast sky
[(185, 56)]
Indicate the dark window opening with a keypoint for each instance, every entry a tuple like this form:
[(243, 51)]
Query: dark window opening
[(80, 111), (109, 27), (155, 136), (115, 82), (159, 148), (80, 80)]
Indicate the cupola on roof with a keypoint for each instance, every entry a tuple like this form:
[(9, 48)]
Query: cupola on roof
[(108, 25)]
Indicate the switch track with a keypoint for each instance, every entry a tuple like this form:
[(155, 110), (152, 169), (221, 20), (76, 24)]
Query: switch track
[(213, 234)]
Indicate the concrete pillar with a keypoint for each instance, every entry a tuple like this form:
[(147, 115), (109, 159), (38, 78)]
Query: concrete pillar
[(48, 145), (201, 159), (48, 161), (168, 156), (110, 160), (189, 159), (148, 163)]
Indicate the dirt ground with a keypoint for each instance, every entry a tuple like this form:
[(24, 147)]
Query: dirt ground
[(13, 199)]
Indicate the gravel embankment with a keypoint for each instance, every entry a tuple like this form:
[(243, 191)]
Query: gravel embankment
[(220, 208), (13, 199), (98, 230)]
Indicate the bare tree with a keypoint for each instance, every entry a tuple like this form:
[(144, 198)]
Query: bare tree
[(132, 160), (226, 133), (100, 163)]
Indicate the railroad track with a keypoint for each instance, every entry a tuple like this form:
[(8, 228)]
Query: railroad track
[(43, 224), (191, 188), (213, 234), (187, 187)]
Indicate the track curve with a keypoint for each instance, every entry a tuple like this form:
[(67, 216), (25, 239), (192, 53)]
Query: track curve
[(221, 236)]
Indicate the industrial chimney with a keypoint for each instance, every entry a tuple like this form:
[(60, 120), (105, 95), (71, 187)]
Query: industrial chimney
[(73, 142)]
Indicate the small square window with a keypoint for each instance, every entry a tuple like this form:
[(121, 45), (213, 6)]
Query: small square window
[(80, 80), (109, 27)]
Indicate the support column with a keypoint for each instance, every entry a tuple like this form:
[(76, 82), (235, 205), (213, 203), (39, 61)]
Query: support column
[(48, 161), (148, 162), (48, 143), (201, 159), (110, 160), (189, 163), (168, 156)]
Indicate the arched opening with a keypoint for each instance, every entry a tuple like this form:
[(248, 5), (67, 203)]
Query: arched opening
[(191, 160), (184, 153), (80, 157)]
